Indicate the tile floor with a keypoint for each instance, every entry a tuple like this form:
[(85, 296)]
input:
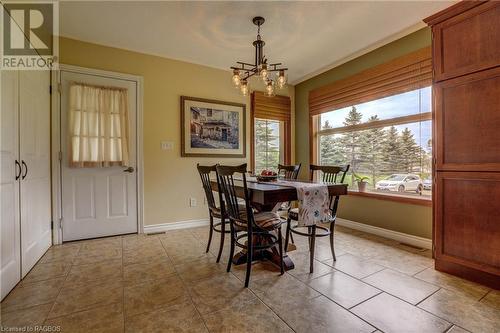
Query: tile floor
[(166, 283)]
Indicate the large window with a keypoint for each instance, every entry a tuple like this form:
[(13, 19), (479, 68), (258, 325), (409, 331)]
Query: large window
[(268, 135), (387, 142)]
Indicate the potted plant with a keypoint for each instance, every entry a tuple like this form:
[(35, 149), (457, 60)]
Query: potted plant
[(362, 181)]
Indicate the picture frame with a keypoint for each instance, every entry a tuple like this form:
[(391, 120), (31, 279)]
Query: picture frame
[(212, 128)]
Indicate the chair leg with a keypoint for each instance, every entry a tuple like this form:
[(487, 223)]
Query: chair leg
[(231, 250), (312, 238), (249, 259), (291, 239), (309, 238), (280, 244), (288, 234), (211, 231), (222, 236), (332, 228)]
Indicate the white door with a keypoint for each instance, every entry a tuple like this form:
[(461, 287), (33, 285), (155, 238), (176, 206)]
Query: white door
[(98, 202), (34, 150), (10, 238)]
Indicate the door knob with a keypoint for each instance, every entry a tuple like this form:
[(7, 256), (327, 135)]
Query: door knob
[(129, 169)]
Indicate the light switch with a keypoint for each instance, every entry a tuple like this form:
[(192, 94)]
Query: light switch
[(167, 145)]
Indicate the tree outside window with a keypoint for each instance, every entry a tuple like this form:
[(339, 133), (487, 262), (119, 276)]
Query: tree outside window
[(268, 144)]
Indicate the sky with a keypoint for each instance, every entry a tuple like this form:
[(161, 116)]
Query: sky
[(413, 102)]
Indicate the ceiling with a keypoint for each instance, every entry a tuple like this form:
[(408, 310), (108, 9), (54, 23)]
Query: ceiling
[(308, 37)]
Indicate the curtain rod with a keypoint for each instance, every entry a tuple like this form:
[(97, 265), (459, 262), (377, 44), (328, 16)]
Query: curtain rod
[(98, 86)]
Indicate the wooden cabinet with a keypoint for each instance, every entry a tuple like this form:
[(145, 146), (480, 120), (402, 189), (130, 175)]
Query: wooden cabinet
[(467, 231), (466, 93), (467, 122), (454, 38)]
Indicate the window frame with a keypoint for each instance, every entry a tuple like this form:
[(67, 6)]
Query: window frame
[(316, 133)]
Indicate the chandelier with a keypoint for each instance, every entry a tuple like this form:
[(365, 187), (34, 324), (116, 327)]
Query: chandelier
[(243, 71)]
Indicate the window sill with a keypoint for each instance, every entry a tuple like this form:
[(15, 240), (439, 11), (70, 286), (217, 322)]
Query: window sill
[(391, 197)]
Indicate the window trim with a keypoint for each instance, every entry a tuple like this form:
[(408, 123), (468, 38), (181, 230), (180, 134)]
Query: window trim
[(421, 117), (393, 197)]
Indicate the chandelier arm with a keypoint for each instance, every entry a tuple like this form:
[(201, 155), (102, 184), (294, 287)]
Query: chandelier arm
[(243, 69), (246, 63), (248, 75)]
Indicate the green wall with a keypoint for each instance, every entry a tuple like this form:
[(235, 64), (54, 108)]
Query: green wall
[(407, 218)]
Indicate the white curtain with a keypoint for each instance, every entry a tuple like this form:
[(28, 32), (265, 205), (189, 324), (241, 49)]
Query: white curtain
[(98, 126)]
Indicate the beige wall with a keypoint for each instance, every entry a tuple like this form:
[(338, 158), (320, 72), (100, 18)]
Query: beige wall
[(412, 219), (169, 180)]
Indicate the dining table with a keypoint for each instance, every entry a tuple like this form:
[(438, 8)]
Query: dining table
[(269, 196)]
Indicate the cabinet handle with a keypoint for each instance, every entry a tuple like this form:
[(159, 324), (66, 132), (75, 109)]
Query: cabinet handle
[(18, 167), (25, 169)]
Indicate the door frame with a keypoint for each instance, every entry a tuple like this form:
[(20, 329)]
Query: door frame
[(56, 143)]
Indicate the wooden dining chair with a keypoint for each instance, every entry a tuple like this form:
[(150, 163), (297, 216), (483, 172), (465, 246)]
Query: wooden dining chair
[(214, 211), (289, 171), (245, 224), (327, 174)]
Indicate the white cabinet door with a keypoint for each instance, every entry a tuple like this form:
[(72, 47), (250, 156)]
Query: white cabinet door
[(98, 202), (10, 256), (34, 147)]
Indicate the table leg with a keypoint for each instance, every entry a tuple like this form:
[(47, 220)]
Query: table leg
[(271, 254)]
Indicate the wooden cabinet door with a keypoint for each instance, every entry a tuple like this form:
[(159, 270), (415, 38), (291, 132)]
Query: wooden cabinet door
[(467, 122), (468, 42), (466, 227)]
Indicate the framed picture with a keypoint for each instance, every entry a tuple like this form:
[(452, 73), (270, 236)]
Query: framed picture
[(212, 128)]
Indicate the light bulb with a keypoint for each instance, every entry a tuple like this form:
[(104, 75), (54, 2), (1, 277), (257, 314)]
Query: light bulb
[(270, 88), (263, 72), (281, 79), (244, 87), (236, 78)]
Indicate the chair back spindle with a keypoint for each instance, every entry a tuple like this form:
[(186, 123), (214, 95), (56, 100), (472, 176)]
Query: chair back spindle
[(289, 171), (234, 209), (205, 172)]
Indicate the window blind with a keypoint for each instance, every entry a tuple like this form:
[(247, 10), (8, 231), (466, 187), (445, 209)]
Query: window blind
[(276, 107), (409, 72)]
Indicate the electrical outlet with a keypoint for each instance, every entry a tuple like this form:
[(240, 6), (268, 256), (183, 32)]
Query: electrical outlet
[(167, 145), (192, 202)]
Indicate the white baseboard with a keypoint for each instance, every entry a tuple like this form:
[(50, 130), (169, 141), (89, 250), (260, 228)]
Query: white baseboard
[(155, 228), (421, 242)]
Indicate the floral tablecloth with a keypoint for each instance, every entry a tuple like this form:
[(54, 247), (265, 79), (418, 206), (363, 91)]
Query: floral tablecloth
[(314, 202)]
